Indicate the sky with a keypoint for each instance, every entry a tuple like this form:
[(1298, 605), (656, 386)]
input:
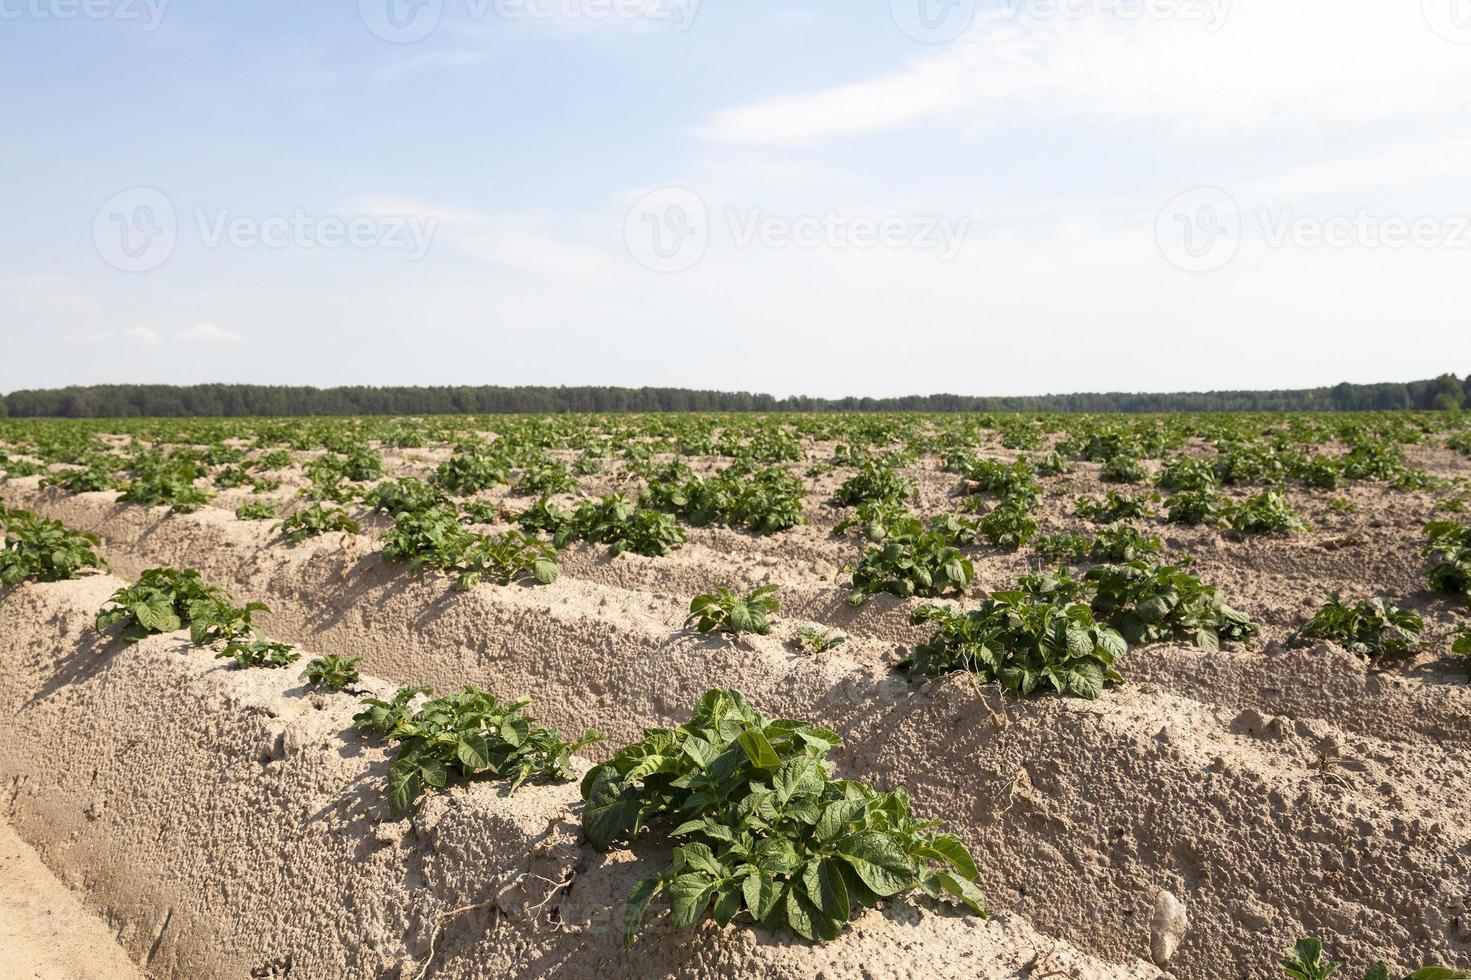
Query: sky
[(871, 197)]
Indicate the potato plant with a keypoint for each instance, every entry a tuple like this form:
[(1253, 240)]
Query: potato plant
[(256, 651), (811, 640), (161, 601), (1028, 643), (911, 561), (1461, 644), (1265, 513), (316, 520), (1304, 961), (36, 549), (732, 613), (1115, 507), (405, 496), (256, 510), (332, 672), (767, 833), (1449, 555), (874, 481), (1371, 628), (465, 734), (1148, 603), (170, 484)]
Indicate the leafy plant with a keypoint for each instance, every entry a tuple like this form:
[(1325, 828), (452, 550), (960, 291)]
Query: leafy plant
[(1461, 644), (1304, 961), (216, 619), (167, 483), (435, 538), (1449, 553), (1115, 507), (1186, 473), (506, 558), (769, 833), (1197, 507), (1148, 602), (874, 481), (1122, 469), (811, 640), (309, 522), (1063, 546), (472, 471), (1009, 525), (257, 651), (1022, 640), (618, 523), (332, 672), (466, 734), (161, 601), (911, 561), (1123, 542), (256, 510), (725, 610), (88, 480), (1264, 513), (37, 549), (405, 496), (1371, 628), (546, 477), (382, 717)]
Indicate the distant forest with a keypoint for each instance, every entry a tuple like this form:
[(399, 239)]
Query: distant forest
[(1446, 392)]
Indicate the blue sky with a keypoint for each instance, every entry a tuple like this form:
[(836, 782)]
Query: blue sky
[(860, 197)]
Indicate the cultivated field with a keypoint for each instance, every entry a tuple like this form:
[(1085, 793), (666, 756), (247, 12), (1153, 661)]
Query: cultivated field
[(1182, 689)]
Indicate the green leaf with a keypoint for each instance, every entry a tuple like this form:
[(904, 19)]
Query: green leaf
[(689, 896), (956, 853), (823, 882), (759, 750), (1085, 679), (638, 904), (808, 921), (879, 862), (968, 894), (761, 893), (609, 813)]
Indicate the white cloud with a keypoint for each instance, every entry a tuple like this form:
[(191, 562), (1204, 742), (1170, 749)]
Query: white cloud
[(208, 333), (143, 335), (1272, 67)]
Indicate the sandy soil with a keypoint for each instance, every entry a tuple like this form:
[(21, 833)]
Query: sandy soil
[(1274, 792), (195, 787), (45, 932)]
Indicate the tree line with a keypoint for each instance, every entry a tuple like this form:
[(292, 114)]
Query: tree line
[(1446, 392)]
